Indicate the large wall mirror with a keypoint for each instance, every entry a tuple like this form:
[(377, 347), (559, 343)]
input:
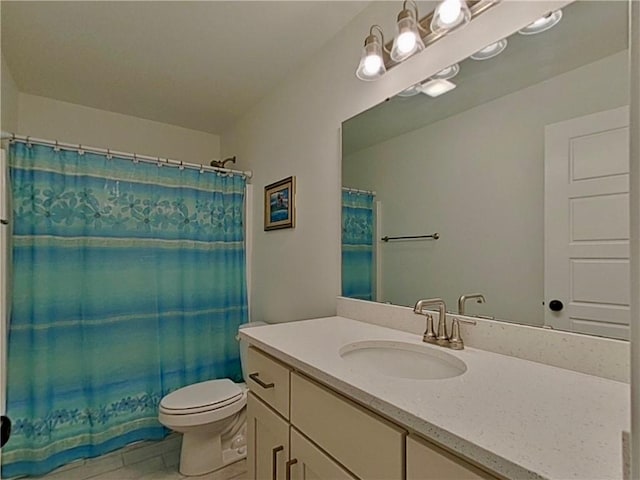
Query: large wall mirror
[(523, 171)]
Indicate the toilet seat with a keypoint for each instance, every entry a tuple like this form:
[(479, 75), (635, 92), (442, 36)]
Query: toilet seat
[(173, 419), (202, 403), (201, 397)]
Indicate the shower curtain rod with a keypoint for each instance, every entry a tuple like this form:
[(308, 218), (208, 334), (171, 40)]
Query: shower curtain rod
[(356, 190), (125, 155)]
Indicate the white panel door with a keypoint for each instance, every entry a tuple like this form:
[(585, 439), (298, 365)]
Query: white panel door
[(587, 276)]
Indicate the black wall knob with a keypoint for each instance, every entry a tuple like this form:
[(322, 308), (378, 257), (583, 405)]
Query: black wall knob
[(5, 430), (556, 305)]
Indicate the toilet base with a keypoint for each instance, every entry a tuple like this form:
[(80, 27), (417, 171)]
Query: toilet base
[(233, 455), (202, 454)]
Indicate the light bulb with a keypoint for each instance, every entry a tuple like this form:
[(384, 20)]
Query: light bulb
[(447, 73), (372, 64), (450, 11), (450, 14), (542, 24), (490, 51), (406, 42), (541, 21), (411, 91)]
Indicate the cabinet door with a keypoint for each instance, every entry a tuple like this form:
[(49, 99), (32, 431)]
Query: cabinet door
[(425, 461), (368, 445), (310, 463), (267, 442)]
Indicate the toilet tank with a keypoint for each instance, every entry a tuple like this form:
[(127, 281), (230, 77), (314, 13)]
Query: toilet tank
[(244, 347)]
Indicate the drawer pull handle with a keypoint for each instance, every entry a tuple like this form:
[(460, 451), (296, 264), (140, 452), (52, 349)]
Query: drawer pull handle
[(289, 464), (255, 378), (274, 461)]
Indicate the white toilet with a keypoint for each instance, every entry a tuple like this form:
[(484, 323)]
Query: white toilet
[(212, 419)]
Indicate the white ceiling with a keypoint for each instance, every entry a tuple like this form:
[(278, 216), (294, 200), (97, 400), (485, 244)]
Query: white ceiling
[(199, 65)]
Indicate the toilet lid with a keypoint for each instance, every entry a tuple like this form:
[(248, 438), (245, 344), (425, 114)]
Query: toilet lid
[(211, 393)]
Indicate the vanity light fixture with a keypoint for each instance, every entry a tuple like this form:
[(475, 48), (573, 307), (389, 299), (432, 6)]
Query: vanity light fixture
[(408, 39), (414, 33), (371, 64), (491, 50), (447, 73), (542, 24), (435, 88), (450, 14)]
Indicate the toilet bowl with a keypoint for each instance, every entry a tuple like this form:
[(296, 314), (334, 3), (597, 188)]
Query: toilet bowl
[(211, 416)]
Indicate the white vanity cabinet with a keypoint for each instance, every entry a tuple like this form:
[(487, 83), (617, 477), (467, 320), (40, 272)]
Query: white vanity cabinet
[(301, 430)]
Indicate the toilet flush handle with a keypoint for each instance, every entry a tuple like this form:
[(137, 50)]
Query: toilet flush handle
[(256, 378)]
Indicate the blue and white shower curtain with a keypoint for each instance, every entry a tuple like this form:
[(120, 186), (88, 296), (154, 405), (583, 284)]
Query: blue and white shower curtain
[(357, 245), (128, 282)]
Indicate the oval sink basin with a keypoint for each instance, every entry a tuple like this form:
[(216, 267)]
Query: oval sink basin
[(402, 360)]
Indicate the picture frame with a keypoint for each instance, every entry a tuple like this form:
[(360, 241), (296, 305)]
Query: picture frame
[(279, 204)]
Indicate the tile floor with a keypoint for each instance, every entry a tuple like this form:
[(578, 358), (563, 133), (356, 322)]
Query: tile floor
[(141, 461)]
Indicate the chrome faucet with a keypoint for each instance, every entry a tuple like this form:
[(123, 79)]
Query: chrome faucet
[(463, 298), (441, 338)]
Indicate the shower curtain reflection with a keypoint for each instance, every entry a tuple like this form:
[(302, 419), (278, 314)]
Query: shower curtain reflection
[(128, 282), (357, 244)]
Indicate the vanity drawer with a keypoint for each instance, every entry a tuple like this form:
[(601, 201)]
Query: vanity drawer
[(426, 461), (367, 445), (269, 380)]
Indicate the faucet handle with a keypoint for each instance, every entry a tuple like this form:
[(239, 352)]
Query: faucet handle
[(455, 342), (429, 334)]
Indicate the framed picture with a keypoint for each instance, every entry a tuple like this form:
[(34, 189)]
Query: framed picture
[(279, 204)]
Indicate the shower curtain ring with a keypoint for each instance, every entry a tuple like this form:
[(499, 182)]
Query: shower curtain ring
[(109, 156), (181, 165), (159, 162), (135, 158), (28, 142), (56, 148), (80, 150)]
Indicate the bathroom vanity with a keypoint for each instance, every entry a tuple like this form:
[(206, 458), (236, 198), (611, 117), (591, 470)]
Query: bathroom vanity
[(364, 442), (313, 413)]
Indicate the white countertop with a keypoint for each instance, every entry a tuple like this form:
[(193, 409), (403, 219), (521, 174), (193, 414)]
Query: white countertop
[(518, 418)]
